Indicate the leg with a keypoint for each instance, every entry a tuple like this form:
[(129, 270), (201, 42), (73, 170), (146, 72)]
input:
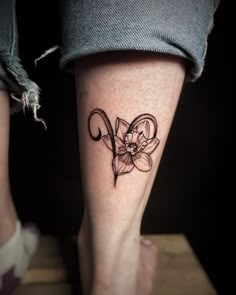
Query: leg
[(7, 211), (17, 245), (124, 85)]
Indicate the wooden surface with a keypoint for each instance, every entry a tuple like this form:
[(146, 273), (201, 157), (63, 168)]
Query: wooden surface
[(54, 269)]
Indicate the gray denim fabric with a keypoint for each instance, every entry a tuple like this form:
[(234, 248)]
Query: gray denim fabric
[(176, 27), (8, 40), (13, 77)]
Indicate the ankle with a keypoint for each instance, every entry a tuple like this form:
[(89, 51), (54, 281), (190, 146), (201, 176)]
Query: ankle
[(109, 258), (7, 208), (8, 216), (7, 229), (110, 237)]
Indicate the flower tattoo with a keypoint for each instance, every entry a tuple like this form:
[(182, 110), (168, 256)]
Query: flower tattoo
[(131, 144)]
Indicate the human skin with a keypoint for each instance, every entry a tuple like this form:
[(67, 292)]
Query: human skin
[(7, 210), (114, 259)]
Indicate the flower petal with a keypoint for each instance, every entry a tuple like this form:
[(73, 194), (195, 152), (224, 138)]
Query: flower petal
[(132, 137), (120, 146), (141, 142), (143, 127), (107, 141), (151, 146), (142, 161), (121, 128), (128, 138), (122, 164), (140, 139)]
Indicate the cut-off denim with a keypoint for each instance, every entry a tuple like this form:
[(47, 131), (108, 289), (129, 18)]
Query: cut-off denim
[(178, 28)]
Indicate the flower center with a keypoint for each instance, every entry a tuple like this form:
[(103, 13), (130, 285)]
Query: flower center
[(132, 148)]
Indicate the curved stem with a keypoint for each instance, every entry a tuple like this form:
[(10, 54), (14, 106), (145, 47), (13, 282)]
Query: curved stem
[(109, 128), (141, 118)]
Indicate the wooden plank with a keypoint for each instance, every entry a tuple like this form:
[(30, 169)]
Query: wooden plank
[(44, 289), (45, 275), (179, 272)]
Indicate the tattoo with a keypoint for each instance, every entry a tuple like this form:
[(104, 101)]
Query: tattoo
[(131, 144)]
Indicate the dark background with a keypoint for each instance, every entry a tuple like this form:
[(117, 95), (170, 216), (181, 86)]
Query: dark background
[(194, 187)]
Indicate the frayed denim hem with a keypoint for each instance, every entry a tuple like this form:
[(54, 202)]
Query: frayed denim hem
[(23, 91)]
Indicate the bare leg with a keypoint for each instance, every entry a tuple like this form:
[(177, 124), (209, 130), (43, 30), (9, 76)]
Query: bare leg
[(17, 244), (7, 210), (123, 85)]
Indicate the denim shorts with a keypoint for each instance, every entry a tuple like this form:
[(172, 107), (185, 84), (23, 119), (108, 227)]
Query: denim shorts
[(176, 27)]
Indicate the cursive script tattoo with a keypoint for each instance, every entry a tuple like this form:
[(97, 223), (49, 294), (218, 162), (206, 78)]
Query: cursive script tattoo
[(131, 144)]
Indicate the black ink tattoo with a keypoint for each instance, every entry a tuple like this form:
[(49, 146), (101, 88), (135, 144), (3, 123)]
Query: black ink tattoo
[(131, 144)]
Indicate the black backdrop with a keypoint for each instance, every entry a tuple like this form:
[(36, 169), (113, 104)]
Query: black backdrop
[(194, 188)]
